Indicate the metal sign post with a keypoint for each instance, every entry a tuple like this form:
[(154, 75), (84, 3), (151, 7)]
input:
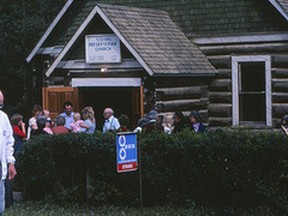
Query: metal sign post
[(127, 154), (140, 175)]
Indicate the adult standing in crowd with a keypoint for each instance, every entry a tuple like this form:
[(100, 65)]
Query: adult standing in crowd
[(111, 123), (124, 122), (32, 124), (68, 114), (41, 123), (178, 122), (60, 128), (89, 123), (162, 120), (153, 125), (6, 149), (196, 124), (142, 122)]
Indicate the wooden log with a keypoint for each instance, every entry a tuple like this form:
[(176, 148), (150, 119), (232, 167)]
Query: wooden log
[(245, 49), (180, 105), (224, 73), (204, 91), (221, 85), (279, 110), (219, 121), (279, 97), (280, 61), (220, 110), (178, 93), (174, 82), (280, 86), (280, 72), (223, 61), (220, 97)]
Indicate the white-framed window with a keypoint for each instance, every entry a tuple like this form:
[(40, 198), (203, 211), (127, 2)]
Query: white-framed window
[(251, 91)]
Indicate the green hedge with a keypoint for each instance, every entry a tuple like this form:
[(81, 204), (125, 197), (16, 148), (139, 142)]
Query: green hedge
[(223, 169)]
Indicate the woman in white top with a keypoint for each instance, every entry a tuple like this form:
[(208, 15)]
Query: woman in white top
[(37, 110)]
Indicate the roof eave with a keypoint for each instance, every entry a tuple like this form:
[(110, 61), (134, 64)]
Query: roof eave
[(202, 74), (49, 30), (279, 9)]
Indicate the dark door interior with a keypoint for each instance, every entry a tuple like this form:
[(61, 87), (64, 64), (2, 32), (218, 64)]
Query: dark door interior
[(119, 99)]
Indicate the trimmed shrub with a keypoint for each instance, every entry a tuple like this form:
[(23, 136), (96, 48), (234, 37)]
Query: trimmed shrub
[(223, 169)]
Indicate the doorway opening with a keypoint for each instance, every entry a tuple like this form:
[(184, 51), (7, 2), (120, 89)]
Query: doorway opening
[(122, 100)]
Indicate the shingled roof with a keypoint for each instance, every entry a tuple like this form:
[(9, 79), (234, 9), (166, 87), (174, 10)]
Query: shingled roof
[(152, 37), (158, 40), (216, 17)]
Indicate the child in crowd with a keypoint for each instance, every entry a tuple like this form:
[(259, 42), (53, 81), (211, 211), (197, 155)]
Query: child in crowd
[(49, 123), (76, 125), (48, 126)]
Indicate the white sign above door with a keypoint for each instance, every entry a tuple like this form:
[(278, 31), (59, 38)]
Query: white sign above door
[(103, 48)]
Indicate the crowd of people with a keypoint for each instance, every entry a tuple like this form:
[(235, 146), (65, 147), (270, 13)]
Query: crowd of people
[(73, 122), (85, 122), (152, 122), (66, 122)]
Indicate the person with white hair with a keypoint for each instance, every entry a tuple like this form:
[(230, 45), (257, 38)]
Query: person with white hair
[(111, 123)]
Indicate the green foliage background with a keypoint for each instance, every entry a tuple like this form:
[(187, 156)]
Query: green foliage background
[(225, 170), (22, 23)]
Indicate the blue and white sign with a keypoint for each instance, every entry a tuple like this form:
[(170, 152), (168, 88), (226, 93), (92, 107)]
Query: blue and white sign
[(103, 48), (126, 152)]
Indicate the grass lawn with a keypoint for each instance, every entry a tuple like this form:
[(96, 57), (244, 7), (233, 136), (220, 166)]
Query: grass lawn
[(29, 208)]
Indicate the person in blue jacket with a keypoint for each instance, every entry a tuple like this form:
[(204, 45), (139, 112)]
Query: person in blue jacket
[(196, 124)]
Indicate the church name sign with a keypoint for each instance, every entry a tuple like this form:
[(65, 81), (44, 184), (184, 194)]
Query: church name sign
[(104, 48)]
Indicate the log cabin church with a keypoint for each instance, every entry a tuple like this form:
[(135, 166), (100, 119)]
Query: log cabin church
[(226, 59)]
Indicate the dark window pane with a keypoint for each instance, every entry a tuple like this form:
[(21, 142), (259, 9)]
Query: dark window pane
[(252, 76), (252, 107)]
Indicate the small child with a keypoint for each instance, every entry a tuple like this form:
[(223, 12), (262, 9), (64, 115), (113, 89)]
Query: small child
[(76, 125), (48, 126)]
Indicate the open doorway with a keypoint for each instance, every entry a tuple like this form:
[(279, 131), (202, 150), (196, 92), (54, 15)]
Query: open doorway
[(121, 100)]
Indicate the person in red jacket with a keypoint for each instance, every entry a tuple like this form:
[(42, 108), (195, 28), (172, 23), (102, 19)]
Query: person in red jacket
[(60, 128), (19, 131)]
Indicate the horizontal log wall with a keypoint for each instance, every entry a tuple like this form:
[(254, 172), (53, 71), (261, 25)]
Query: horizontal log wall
[(220, 90), (279, 86), (178, 94)]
